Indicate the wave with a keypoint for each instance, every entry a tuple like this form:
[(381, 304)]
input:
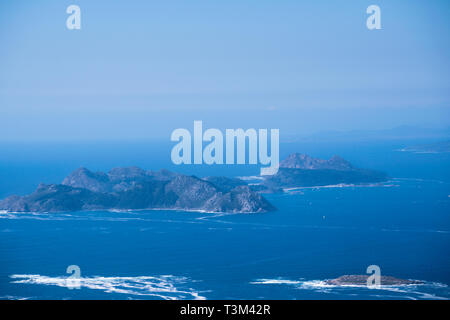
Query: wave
[(419, 180), (275, 281), (344, 185), (9, 297), (87, 216), (247, 178), (415, 230), (426, 290), (166, 287), (415, 151), (5, 213)]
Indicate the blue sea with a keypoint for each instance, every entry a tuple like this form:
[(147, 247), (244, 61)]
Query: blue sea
[(402, 226)]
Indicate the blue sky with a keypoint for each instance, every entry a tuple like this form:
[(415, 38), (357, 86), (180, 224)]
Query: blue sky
[(139, 69)]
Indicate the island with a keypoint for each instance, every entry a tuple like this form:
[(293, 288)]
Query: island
[(301, 170), (361, 280), (133, 188)]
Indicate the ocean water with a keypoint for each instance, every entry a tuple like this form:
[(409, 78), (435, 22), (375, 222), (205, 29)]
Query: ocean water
[(403, 226)]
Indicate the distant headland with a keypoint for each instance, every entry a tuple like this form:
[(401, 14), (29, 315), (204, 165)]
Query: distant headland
[(438, 147)]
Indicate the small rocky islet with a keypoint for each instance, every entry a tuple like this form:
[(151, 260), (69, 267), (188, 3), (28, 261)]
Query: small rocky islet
[(361, 280)]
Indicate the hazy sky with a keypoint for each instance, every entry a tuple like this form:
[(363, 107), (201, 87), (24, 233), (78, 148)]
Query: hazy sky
[(139, 69)]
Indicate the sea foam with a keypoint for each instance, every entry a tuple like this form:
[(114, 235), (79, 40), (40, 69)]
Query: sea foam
[(166, 287)]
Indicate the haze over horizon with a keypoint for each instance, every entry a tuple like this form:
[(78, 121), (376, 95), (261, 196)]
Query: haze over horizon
[(140, 73)]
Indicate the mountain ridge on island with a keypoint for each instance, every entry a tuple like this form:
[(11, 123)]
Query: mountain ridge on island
[(300, 170), (304, 161)]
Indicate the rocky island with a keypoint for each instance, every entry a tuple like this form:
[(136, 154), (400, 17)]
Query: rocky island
[(301, 170), (134, 188), (361, 280)]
